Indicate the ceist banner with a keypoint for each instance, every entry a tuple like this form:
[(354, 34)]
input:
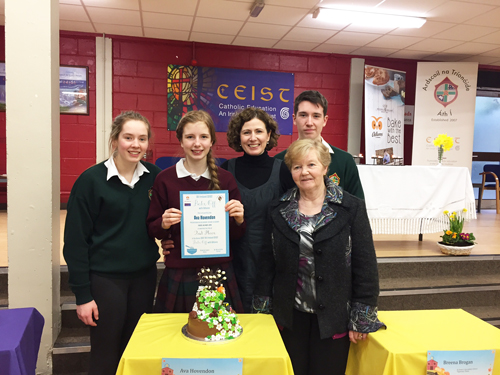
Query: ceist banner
[(223, 92), (384, 114), (445, 103)]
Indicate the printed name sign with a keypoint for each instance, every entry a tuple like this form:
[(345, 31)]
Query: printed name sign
[(214, 366)]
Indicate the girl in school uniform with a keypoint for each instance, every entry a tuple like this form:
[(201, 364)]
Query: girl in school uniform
[(196, 171), (111, 258)]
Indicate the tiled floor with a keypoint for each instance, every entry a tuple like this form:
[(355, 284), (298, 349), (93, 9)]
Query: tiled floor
[(486, 229)]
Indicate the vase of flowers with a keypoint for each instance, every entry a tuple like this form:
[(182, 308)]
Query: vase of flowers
[(443, 143), (454, 240)]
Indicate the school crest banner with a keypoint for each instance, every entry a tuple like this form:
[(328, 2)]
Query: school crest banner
[(445, 103), (224, 92), (384, 114)]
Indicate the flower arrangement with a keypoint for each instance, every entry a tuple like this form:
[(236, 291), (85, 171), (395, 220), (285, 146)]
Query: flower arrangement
[(454, 236), (444, 143)]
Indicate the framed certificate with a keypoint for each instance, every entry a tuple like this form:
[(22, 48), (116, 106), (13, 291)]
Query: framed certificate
[(204, 224)]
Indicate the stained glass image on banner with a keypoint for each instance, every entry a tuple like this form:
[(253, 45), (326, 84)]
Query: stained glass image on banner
[(184, 94), (223, 92)]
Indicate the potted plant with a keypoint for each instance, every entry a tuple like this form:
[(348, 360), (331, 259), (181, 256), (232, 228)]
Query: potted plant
[(454, 240)]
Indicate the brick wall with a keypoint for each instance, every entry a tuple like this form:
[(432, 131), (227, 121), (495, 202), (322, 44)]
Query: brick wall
[(140, 70), (78, 140), (139, 83)]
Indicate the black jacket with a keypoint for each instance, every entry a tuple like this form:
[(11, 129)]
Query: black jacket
[(345, 265)]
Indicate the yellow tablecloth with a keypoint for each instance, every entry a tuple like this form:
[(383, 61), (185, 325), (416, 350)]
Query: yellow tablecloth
[(159, 336), (402, 348)]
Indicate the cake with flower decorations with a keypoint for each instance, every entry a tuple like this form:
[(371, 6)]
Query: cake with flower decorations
[(212, 319)]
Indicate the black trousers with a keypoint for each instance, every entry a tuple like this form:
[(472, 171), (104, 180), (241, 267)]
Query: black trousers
[(120, 303), (311, 355)]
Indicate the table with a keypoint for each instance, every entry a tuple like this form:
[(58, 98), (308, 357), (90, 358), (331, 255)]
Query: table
[(411, 199), (20, 335), (159, 336), (402, 348)]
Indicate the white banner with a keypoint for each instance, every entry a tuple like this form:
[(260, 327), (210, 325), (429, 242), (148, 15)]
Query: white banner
[(444, 104), (384, 115)]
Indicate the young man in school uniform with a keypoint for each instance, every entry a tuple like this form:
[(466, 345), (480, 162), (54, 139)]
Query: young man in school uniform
[(310, 118)]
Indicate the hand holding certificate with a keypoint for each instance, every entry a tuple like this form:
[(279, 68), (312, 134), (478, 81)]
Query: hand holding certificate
[(235, 209), (170, 217), (205, 224)]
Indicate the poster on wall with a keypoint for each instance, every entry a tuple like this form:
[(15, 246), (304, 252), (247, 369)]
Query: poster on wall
[(224, 92), (2, 86), (445, 102), (385, 91), (74, 90)]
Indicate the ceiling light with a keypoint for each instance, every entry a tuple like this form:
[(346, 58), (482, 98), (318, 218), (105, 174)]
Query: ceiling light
[(256, 8), (368, 18)]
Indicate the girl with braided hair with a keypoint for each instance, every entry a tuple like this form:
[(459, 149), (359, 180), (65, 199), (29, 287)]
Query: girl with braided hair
[(196, 171)]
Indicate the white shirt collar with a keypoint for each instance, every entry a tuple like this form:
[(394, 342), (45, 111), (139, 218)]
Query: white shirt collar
[(113, 171), (183, 172), (327, 146)]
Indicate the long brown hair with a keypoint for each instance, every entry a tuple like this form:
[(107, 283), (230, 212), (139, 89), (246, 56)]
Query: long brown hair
[(202, 116)]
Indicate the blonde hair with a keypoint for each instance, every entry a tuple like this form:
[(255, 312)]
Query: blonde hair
[(300, 148), (119, 121), (202, 116)]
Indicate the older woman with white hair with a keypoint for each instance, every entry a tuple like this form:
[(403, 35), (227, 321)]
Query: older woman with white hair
[(318, 270)]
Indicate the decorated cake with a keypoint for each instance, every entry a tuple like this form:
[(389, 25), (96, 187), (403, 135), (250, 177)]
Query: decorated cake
[(212, 319)]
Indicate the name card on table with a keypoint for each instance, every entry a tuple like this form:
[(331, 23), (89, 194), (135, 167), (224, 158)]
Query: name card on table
[(215, 366), (459, 362)]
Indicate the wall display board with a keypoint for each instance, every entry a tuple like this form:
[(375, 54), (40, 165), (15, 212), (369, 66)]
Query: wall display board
[(74, 90), (444, 104), (385, 92), (224, 92)]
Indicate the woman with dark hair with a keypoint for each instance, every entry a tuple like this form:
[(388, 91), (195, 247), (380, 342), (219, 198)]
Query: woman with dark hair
[(318, 270), (196, 171), (260, 179), (111, 258)]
